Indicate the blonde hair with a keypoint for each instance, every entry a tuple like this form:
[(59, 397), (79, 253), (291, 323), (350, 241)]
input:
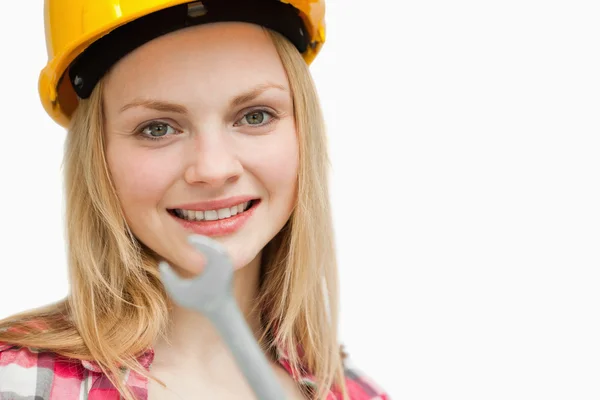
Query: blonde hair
[(117, 305)]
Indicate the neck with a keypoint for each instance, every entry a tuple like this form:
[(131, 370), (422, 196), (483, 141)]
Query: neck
[(191, 339)]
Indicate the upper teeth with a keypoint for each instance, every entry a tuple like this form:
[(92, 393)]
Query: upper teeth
[(212, 215)]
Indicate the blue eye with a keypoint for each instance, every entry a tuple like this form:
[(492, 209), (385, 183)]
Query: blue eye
[(156, 130), (257, 118)]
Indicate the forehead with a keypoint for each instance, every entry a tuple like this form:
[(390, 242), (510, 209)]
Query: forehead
[(214, 60)]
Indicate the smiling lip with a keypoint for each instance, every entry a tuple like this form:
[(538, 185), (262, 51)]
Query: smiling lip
[(219, 227), (215, 204)]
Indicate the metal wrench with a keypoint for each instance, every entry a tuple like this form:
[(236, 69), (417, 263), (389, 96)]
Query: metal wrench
[(211, 293)]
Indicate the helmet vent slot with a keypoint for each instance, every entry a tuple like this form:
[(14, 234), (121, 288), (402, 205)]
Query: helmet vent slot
[(196, 9)]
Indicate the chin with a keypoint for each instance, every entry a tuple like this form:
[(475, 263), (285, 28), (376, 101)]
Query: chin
[(242, 255)]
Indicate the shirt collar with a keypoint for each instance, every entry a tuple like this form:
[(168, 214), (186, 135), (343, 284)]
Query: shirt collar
[(146, 358)]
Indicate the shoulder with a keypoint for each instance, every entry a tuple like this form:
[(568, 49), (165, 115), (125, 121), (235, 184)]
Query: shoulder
[(31, 373), (361, 386)]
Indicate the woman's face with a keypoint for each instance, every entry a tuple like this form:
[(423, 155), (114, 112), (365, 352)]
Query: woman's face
[(201, 138)]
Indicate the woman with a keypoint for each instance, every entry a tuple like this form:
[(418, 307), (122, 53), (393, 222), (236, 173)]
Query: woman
[(185, 117)]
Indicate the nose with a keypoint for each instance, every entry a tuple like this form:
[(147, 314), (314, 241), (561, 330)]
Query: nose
[(213, 160)]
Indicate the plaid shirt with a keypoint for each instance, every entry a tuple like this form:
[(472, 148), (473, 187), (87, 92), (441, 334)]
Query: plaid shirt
[(27, 373)]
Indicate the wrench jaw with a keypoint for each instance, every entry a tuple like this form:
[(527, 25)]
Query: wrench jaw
[(211, 293), (204, 292)]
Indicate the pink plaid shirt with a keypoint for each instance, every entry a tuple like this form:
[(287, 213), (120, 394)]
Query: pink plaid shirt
[(32, 374)]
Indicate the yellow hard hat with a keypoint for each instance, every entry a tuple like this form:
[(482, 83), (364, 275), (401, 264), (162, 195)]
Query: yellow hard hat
[(84, 38)]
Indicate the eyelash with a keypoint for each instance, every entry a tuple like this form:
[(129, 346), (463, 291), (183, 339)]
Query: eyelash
[(272, 115), (140, 131)]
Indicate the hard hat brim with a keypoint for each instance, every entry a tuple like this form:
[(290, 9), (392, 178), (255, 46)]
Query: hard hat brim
[(100, 56)]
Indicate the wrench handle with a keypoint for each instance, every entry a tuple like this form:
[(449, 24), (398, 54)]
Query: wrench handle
[(234, 330)]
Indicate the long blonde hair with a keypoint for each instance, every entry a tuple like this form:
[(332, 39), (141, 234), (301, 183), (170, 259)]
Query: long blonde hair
[(117, 305)]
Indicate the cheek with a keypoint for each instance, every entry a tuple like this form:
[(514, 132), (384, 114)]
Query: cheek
[(276, 164), (140, 175)]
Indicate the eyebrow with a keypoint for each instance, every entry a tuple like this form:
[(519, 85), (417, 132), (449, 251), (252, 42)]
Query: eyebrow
[(254, 93), (164, 106), (156, 105)]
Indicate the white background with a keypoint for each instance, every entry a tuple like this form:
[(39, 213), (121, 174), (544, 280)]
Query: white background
[(466, 166)]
